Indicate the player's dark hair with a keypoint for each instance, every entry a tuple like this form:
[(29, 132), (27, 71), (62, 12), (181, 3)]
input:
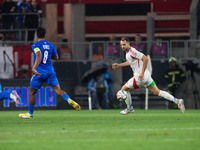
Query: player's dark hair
[(125, 39), (41, 32)]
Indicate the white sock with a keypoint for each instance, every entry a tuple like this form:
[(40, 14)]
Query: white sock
[(128, 100), (166, 95)]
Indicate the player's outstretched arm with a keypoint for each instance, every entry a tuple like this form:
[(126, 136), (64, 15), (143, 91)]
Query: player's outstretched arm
[(37, 62), (145, 60), (116, 65)]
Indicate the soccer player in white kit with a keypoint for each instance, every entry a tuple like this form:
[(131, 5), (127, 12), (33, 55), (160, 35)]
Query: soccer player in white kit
[(141, 78)]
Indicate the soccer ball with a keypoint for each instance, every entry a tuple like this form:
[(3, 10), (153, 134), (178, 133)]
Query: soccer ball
[(121, 95)]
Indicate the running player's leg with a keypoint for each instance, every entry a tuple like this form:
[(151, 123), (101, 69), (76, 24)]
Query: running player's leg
[(31, 105), (10, 95), (128, 101), (32, 101), (60, 93), (35, 84), (154, 89), (53, 81), (66, 97)]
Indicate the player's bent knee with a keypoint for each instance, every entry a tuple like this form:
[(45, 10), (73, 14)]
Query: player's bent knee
[(59, 92), (62, 93), (155, 93)]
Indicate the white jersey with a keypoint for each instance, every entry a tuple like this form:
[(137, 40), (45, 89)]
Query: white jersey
[(134, 58)]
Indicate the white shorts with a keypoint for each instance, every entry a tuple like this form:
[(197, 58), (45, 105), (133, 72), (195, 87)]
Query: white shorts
[(135, 83)]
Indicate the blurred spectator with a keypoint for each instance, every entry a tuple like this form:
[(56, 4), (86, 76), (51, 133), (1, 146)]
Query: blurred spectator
[(139, 45), (64, 52), (35, 7), (32, 20), (8, 7), (21, 7), (107, 76), (174, 77), (159, 49), (98, 88), (98, 54), (3, 42), (113, 48)]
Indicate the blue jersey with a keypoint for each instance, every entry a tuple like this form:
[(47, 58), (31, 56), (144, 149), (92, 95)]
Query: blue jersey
[(47, 50)]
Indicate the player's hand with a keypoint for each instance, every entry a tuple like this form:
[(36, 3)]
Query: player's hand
[(115, 65), (35, 72), (141, 76)]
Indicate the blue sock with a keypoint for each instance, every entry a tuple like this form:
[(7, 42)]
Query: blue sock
[(66, 97), (31, 109), (4, 95)]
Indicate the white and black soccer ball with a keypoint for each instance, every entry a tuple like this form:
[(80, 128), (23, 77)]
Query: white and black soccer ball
[(121, 95)]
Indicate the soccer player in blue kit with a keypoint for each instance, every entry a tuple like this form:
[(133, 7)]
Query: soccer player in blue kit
[(44, 72), (10, 95)]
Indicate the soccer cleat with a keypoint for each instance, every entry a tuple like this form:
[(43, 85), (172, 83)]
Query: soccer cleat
[(127, 111), (18, 99), (74, 104), (181, 105), (25, 116)]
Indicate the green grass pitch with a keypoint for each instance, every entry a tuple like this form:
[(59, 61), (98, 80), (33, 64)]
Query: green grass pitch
[(101, 130)]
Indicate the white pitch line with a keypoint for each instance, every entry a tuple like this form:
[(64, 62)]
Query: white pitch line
[(9, 141), (171, 140), (96, 131)]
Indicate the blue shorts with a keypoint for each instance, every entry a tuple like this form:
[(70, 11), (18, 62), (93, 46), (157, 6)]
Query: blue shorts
[(49, 78)]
